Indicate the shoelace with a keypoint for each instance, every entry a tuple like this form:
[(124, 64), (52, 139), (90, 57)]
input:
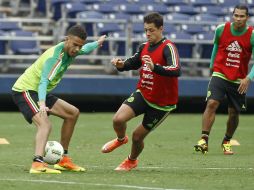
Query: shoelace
[(227, 147), (114, 143), (202, 142)]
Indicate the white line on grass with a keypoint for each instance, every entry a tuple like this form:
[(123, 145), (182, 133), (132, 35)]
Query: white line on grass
[(180, 168), (186, 168), (89, 184), (149, 167)]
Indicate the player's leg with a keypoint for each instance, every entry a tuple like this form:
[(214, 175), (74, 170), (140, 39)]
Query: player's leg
[(138, 137), (69, 114), (152, 119), (131, 108), (27, 103), (237, 103), (124, 114), (232, 122), (209, 115), (207, 123), (43, 126), (215, 94), (137, 147)]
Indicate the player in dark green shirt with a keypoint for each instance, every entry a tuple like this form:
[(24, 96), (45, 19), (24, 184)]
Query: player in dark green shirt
[(31, 94)]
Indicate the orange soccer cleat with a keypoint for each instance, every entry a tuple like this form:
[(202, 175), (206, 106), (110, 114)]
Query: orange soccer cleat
[(42, 168), (127, 165), (66, 164), (113, 144)]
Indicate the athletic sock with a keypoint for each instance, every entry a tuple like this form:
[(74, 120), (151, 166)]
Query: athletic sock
[(227, 138), (129, 158), (205, 136), (65, 152), (121, 139), (38, 159)]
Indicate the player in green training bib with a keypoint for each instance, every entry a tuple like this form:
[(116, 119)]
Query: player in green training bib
[(31, 93)]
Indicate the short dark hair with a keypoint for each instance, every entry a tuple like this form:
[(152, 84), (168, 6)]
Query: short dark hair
[(155, 18), (77, 30), (242, 7)]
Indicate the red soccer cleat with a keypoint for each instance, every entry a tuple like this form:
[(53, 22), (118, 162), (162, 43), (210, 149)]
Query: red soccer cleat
[(113, 144), (127, 165)]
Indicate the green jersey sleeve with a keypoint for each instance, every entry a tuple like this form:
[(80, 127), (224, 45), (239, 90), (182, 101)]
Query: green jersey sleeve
[(251, 73), (88, 48), (46, 75), (218, 33)]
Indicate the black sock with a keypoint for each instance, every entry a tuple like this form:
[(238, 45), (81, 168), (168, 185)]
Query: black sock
[(227, 138), (205, 135), (65, 152), (38, 159)]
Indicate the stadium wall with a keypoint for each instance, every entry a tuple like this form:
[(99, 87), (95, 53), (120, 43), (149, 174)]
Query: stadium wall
[(106, 93)]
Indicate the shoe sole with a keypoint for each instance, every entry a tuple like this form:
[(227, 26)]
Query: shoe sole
[(123, 170), (198, 148), (228, 153), (32, 171), (57, 167)]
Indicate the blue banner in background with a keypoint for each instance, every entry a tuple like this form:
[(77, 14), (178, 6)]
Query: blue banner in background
[(115, 85)]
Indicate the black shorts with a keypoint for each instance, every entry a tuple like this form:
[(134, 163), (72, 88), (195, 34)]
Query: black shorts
[(152, 117), (218, 88), (27, 103)]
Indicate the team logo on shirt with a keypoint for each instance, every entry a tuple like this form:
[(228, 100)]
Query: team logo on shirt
[(234, 46)]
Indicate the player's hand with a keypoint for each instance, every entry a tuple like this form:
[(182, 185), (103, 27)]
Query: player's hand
[(148, 61), (117, 62), (43, 108), (244, 85), (101, 40)]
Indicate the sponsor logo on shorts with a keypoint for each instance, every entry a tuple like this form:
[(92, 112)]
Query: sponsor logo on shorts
[(130, 99), (208, 94)]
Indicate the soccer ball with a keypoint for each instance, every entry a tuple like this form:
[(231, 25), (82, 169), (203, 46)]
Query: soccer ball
[(53, 152)]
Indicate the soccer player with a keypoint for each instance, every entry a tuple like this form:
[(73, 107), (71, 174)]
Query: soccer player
[(31, 93), (157, 90), (233, 46)]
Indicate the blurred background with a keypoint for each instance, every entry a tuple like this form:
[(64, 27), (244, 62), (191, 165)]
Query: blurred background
[(29, 27)]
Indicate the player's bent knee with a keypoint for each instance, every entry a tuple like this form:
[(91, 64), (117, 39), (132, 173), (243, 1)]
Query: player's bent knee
[(136, 137), (73, 113), (76, 112), (212, 105), (117, 119)]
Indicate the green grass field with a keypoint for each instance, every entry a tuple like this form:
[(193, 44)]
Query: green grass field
[(167, 162)]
